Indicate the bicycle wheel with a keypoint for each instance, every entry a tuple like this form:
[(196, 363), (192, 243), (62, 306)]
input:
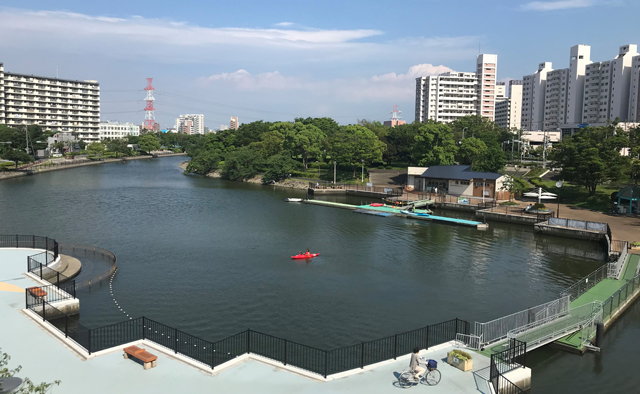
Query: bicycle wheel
[(405, 380), (433, 377)]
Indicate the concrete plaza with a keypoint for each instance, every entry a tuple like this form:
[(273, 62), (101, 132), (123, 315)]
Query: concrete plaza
[(45, 358)]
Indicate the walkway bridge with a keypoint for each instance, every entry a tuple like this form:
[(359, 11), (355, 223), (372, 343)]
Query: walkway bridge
[(571, 319)]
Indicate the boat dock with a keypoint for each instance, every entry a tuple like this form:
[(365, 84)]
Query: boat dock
[(397, 212)]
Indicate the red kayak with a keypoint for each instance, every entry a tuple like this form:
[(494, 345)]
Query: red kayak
[(377, 204), (305, 256)]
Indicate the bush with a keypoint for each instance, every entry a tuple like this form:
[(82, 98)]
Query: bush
[(536, 182), (509, 203), (539, 205), (176, 150), (635, 244), (381, 167), (460, 355), (389, 167)]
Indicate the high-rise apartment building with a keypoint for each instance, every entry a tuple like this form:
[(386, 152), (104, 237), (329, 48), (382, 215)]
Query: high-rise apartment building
[(195, 123), (486, 72), (584, 94), (452, 95), (233, 124), (112, 130), (533, 97), (55, 104), (508, 108), (634, 94)]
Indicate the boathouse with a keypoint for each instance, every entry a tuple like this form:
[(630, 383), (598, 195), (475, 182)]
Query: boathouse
[(457, 180)]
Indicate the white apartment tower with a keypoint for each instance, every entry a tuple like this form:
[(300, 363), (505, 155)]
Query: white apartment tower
[(508, 110), (113, 130), (195, 127), (587, 93), (233, 123), (55, 104), (634, 94), (452, 95), (533, 97), (486, 73)]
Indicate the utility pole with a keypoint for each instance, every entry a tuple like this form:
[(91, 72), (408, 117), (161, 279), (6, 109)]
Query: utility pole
[(544, 150), (362, 170)]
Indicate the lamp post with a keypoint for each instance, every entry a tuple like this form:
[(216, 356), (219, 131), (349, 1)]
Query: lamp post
[(334, 171), (558, 185), (318, 169), (362, 170), (483, 190), (463, 129)]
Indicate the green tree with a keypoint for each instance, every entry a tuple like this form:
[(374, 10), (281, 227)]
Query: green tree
[(204, 163), (272, 142), (27, 387), (513, 185), (82, 144), (353, 145), (17, 156), (327, 125), (95, 148), (471, 150), (59, 146), (241, 164), (434, 145), (278, 168), (592, 156), (399, 141), (118, 146), (148, 143), (490, 160), (300, 139)]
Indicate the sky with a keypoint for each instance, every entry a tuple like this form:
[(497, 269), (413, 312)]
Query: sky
[(277, 60)]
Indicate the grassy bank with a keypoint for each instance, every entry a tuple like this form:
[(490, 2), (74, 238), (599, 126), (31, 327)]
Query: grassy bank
[(579, 196)]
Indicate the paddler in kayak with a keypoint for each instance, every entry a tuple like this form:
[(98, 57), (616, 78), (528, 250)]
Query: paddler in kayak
[(307, 253)]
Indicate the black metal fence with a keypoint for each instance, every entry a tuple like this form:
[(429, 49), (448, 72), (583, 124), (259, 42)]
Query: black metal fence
[(505, 361), (30, 242), (213, 354), (80, 250), (517, 211)]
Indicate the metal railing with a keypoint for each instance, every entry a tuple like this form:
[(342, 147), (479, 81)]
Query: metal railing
[(213, 354), (498, 329), (52, 293), (30, 242), (618, 265), (389, 191), (471, 341), (94, 251), (513, 357), (611, 305), (583, 285), (547, 330), (518, 211)]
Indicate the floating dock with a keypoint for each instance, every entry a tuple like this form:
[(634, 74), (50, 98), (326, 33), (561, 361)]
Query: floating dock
[(397, 212)]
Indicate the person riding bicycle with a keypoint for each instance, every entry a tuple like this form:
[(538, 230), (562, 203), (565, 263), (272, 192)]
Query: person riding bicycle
[(415, 364)]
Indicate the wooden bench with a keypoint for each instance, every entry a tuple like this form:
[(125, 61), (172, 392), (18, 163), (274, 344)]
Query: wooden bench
[(149, 360), (38, 293)]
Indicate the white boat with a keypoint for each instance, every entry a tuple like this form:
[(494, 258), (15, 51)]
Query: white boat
[(293, 199)]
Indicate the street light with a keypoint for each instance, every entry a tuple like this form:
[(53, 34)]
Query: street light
[(558, 185), (362, 170), (318, 169), (334, 171)]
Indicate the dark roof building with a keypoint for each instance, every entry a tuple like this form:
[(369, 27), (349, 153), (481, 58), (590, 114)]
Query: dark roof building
[(458, 172)]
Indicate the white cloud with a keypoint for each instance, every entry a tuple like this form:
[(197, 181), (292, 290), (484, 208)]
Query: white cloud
[(76, 27), (558, 5), (386, 86), (284, 24)]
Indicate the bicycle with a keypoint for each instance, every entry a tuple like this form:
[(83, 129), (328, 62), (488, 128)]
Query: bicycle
[(431, 376)]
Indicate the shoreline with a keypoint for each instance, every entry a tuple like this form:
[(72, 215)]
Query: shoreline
[(34, 170), (257, 179)]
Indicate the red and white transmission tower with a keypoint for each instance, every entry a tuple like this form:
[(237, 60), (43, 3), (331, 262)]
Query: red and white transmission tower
[(394, 114), (149, 116)]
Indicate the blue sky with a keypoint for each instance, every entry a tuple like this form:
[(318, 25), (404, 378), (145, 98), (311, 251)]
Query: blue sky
[(275, 60)]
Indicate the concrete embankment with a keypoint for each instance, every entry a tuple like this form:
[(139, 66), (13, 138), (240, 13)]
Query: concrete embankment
[(287, 184), (39, 169)]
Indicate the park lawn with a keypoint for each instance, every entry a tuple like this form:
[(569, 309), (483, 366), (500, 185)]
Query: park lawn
[(535, 172), (579, 196)]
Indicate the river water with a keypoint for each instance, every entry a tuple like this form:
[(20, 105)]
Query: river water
[(212, 258)]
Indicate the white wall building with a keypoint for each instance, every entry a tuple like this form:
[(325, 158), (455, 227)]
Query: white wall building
[(55, 104), (234, 123), (533, 95), (196, 125), (585, 94), (452, 95), (112, 130), (634, 94), (508, 110)]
